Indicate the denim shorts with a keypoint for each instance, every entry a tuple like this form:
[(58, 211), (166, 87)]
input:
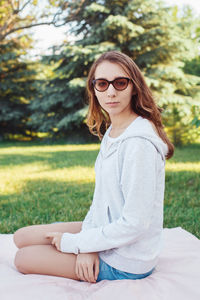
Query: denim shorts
[(106, 272)]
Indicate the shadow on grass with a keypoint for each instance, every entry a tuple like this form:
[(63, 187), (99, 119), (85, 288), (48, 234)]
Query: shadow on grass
[(45, 201), (181, 204), (73, 140), (55, 160), (64, 159), (185, 154), (182, 186)]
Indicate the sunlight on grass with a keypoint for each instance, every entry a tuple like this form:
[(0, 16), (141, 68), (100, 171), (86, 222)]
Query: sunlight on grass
[(15, 182), (51, 148), (14, 176), (16, 173), (48, 183), (179, 167)]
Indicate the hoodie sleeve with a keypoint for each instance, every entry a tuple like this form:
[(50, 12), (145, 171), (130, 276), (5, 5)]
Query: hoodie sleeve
[(87, 222), (138, 185)]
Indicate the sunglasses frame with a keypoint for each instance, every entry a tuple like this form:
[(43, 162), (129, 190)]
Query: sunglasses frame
[(111, 82)]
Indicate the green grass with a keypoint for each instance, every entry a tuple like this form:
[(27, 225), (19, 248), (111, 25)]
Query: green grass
[(182, 192), (48, 183)]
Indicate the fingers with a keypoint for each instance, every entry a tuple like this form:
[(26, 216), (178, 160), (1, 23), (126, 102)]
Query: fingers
[(85, 273), (50, 234), (89, 273), (55, 242), (80, 273), (55, 239), (96, 271), (87, 267)]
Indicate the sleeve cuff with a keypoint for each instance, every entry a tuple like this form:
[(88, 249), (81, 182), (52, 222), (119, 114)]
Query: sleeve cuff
[(68, 243)]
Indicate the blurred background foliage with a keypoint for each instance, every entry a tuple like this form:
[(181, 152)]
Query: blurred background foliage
[(47, 98)]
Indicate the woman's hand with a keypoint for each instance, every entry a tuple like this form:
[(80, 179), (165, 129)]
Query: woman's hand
[(87, 266), (55, 238)]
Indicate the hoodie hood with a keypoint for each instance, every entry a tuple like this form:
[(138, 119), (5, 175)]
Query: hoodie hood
[(140, 127)]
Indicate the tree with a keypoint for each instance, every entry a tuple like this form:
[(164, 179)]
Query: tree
[(16, 89), (192, 66), (59, 108), (16, 16), (152, 34), (17, 77)]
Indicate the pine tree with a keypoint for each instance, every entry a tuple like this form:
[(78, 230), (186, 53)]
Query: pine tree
[(17, 75), (152, 34), (16, 90)]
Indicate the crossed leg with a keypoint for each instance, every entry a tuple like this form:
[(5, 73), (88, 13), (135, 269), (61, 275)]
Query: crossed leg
[(37, 256)]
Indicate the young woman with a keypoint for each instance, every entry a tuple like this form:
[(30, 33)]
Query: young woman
[(121, 235)]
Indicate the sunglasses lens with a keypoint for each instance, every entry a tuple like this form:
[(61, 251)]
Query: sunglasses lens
[(101, 85), (120, 83)]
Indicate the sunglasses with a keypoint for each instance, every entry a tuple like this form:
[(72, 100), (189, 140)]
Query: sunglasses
[(119, 83)]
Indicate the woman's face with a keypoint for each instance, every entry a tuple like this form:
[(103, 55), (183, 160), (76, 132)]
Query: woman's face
[(113, 101)]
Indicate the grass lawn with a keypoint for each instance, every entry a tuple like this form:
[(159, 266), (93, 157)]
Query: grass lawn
[(48, 183)]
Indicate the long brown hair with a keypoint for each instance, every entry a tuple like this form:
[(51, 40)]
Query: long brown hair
[(142, 103)]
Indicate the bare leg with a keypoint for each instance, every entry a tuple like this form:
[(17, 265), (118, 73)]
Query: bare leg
[(45, 259), (38, 256), (35, 234)]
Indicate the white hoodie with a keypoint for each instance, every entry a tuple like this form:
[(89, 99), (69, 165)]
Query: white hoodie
[(125, 221)]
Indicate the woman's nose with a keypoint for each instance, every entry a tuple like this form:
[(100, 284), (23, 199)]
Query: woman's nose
[(111, 91)]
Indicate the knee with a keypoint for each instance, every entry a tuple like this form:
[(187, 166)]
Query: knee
[(20, 261), (19, 237)]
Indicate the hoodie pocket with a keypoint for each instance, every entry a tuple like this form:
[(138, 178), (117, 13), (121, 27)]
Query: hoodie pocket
[(109, 214)]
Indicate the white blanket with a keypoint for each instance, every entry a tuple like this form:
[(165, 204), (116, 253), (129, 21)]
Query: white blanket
[(177, 276)]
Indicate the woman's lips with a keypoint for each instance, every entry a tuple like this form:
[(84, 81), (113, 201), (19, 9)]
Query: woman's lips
[(112, 103)]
